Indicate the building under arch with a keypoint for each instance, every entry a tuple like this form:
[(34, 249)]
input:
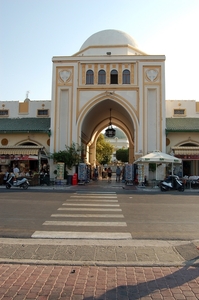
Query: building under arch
[(108, 72)]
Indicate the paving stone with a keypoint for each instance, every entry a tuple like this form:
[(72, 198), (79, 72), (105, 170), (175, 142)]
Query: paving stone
[(188, 251)]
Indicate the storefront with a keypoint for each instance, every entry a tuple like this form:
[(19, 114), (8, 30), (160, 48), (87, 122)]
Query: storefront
[(27, 158), (190, 159)]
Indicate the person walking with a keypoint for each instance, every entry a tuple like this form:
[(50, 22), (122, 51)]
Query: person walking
[(118, 174), (95, 174), (109, 174)]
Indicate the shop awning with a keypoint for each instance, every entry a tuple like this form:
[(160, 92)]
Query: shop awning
[(20, 150), (186, 150)]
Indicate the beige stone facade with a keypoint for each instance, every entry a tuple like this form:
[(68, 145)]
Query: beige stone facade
[(183, 133), (109, 72)]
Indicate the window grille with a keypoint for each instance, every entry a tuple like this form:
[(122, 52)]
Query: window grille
[(3, 112), (42, 112), (179, 111)]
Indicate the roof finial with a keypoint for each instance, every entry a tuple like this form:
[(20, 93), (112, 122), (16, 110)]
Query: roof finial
[(27, 93)]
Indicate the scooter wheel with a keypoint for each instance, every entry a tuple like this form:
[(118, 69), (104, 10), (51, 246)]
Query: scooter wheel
[(181, 189), (8, 186), (25, 186), (162, 189)]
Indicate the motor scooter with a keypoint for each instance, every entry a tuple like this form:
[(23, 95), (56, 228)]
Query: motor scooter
[(172, 183), (17, 182)]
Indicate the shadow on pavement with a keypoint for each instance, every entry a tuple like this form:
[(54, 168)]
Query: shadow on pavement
[(160, 284)]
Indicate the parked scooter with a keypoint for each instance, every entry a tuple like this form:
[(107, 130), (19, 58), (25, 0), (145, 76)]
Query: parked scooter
[(172, 183), (17, 182)]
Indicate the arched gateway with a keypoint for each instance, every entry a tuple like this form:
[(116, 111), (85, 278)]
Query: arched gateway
[(109, 72)]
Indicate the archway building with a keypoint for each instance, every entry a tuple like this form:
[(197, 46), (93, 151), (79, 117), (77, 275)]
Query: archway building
[(108, 72)]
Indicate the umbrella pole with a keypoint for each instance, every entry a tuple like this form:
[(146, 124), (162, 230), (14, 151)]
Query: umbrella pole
[(156, 173), (172, 168)]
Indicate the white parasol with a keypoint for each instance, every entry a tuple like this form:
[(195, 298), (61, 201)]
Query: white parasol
[(158, 157)]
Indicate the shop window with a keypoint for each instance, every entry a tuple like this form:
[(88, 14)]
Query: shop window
[(89, 77), (3, 112), (114, 77), (126, 77), (101, 77), (42, 112)]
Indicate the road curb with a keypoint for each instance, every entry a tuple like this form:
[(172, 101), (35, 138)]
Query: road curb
[(145, 253)]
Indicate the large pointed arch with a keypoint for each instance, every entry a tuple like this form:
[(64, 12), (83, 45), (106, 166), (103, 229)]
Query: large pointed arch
[(94, 117)]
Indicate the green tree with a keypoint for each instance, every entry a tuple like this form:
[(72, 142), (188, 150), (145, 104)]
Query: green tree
[(104, 150), (122, 155), (71, 156)]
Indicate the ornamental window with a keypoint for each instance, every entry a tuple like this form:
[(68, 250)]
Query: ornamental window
[(101, 77), (126, 77), (114, 77), (90, 77)]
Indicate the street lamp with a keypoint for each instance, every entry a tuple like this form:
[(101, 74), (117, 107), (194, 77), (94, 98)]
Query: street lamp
[(110, 131)]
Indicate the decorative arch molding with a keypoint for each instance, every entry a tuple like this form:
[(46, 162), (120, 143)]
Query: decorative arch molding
[(188, 149), (111, 96), (188, 141), (120, 101), (29, 141)]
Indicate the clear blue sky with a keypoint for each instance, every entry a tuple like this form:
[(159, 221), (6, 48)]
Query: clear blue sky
[(33, 31)]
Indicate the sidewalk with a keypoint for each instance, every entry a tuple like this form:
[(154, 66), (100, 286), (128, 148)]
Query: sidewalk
[(101, 184), (113, 185), (65, 269), (92, 282)]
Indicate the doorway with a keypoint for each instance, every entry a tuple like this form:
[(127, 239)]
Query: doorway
[(186, 168)]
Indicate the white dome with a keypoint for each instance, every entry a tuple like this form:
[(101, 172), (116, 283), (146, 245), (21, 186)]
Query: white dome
[(109, 37)]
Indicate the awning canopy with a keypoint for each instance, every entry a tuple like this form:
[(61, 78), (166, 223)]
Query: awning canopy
[(20, 150), (157, 157), (186, 150)]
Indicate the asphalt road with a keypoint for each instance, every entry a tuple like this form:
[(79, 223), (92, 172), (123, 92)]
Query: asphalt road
[(143, 216)]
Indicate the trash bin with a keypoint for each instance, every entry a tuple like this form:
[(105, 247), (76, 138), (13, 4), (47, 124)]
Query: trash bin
[(74, 179), (69, 179)]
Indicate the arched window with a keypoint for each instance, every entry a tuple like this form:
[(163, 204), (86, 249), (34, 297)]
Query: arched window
[(90, 77), (114, 77), (101, 77), (126, 77)]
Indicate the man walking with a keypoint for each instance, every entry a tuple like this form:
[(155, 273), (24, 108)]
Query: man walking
[(118, 174)]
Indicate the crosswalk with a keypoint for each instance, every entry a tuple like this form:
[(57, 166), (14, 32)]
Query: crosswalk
[(86, 216)]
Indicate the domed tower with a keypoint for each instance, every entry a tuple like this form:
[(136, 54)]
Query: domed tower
[(110, 42), (108, 73)]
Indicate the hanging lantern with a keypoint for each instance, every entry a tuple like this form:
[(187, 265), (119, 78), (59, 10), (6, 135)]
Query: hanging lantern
[(110, 131)]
